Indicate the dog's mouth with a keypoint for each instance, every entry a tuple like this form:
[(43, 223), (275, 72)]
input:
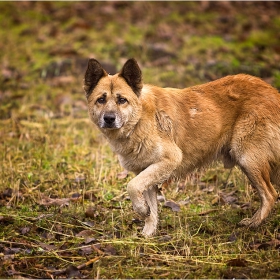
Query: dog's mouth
[(109, 126)]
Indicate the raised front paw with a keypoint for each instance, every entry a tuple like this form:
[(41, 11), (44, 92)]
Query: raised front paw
[(141, 208), (138, 200)]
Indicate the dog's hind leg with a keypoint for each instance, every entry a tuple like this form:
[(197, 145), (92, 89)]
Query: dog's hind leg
[(258, 172), (253, 149), (151, 221), (275, 175)]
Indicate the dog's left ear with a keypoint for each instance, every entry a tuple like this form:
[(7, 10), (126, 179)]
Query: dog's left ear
[(132, 74), (93, 74)]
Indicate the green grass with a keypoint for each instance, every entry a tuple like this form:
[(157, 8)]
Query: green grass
[(64, 209)]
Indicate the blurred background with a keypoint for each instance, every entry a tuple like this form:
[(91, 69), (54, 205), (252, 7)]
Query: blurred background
[(59, 179), (45, 45)]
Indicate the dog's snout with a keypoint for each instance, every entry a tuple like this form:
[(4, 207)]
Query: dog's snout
[(109, 118)]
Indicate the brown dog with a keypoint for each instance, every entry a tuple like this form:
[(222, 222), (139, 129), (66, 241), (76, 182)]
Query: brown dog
[(161, 133)]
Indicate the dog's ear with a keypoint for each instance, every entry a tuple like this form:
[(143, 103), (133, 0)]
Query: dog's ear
[(93, 74), (132, 74)]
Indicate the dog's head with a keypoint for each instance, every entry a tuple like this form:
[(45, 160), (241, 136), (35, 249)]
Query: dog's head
[(113, 101)]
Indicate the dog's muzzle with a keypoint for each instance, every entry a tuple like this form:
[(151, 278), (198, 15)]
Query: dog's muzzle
[(109, 120)]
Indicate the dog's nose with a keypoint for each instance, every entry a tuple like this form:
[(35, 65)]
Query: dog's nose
[(109, 118)]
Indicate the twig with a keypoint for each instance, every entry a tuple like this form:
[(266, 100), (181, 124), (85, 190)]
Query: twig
[(207, 212)]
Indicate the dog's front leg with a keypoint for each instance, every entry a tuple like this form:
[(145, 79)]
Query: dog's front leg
[(150, 195), (143, 191), (140, 186)]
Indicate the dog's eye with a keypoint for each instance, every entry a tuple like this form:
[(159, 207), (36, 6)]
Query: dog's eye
[(122, 100), (101, 100)]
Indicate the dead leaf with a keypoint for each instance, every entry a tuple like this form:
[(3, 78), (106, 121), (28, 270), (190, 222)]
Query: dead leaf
[(245, 206), (24, 230), (70, 272), (209, 189), (110, 250), (88, 223), (161, 198), (12, 271), (42, 216), (264, 246), (47, 235), (47, 201), (165, 238), (9, 73), (181, 186), (85, 250), (233, 237), (85, 233), (224, 198), (272, 244), (12, 251), (173, 205), (207, 212), (75, 195), (237, 262), (73, 272), (79, 179), (91, 212), (136, 221), (7, 193), (8, 257), (58, 227), (89, 240), (5, 220), (228, 198), (90, 196), (47, 247), (184, 202)]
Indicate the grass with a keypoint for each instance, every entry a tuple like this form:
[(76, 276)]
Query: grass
[(64, 209), (65, 158)]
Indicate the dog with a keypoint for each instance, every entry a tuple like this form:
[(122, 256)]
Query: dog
[(164, 133)]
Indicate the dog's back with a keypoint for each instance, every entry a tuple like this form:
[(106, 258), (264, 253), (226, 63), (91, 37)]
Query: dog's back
[(214, 119)]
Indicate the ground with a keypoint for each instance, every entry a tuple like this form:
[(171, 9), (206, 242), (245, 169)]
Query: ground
[(64, 209)]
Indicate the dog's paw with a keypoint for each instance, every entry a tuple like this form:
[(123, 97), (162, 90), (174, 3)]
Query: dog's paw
[(250, 222), (139, 203), (142, 209), (150, 228)]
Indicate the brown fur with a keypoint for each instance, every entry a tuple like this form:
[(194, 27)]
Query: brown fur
[(160, 133)]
